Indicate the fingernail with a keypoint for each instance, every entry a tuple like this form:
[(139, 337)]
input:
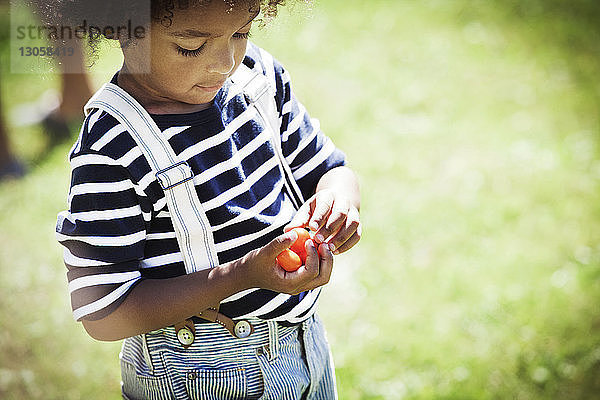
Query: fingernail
[(293, 235), (314, 225), (331, 247), (319, 238)]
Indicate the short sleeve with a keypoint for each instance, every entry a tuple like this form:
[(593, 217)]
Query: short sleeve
[(103, 233), (309, 152)]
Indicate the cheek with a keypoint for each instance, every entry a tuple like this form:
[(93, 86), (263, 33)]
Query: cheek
[(240, 52), (171, 70)]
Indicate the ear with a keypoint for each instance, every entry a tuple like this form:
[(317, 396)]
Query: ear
[(127, 43), (136, 54)]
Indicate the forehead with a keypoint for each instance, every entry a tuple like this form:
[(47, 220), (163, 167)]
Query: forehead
[(216, 16)]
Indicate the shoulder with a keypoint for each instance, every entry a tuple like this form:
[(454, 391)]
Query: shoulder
[(95, 125), (105, 144), (262, 61), (101, 133)]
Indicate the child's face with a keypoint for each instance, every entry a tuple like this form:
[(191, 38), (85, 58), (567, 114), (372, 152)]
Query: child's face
[(191, 59)]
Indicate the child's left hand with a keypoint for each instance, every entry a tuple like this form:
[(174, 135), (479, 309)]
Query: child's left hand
[(334, 219)]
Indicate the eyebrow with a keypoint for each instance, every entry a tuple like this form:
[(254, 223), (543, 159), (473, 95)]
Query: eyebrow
[(189, 33), (193, 33)]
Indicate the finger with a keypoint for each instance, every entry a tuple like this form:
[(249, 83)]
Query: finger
[(351, 225), (304, 276), (301, 218), (335, 221), (319, 264), (280, 243), (312, 259), (326, 265), (348, 244), (323, 204)]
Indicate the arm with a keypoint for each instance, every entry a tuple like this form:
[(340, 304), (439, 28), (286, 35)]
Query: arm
[(109, 294), (333, 207), (157, 303)]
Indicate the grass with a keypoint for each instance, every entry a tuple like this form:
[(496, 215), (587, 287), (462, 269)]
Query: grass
[(474, 128)]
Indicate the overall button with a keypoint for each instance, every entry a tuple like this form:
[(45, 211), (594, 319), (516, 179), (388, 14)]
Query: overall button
[(185, 336), (242, 329)]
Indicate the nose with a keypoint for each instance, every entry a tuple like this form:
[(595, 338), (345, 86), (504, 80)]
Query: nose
[(222, 60)]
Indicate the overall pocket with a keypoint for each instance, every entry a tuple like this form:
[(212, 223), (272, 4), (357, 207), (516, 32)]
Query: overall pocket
[(217, 384), (220, 373), (139, 386)]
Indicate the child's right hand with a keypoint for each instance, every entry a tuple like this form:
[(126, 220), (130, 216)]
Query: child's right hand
[(261, 270)]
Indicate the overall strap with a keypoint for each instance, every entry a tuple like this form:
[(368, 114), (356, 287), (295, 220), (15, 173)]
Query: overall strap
[(175, 176), (260, 93)]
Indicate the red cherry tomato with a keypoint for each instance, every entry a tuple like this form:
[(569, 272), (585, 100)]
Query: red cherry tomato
[(299, 245), (289, 260)]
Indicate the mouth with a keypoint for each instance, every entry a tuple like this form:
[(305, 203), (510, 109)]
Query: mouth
[(210, 88)]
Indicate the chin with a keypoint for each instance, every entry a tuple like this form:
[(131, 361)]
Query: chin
[(197, 101), (200, 97), (193, 103)]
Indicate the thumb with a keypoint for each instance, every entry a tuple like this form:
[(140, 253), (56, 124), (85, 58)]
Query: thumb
[(280, 243)]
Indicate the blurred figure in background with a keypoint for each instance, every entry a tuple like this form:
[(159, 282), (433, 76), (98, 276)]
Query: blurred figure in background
[(10, 166), (56, 113), (74, 93)]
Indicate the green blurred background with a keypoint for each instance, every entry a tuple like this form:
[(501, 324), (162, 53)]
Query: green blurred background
[(474, 127)]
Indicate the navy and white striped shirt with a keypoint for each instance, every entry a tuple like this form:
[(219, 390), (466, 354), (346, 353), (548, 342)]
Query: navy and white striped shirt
[(117, 229)]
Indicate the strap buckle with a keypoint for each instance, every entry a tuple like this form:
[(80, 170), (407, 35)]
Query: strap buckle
[(174, 175), (256, 87)]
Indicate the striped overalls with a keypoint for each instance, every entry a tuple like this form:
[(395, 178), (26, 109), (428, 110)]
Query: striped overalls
[(274, 362)]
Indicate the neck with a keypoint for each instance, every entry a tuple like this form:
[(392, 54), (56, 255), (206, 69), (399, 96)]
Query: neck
[(152, 101)]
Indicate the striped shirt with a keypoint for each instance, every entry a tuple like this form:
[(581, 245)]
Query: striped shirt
[(117, 229)]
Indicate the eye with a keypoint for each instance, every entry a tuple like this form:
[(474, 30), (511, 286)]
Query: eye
[(190, 53), (244, 35)]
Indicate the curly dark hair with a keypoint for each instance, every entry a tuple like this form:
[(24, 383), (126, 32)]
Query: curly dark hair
[(162, 10), (94, 13)]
